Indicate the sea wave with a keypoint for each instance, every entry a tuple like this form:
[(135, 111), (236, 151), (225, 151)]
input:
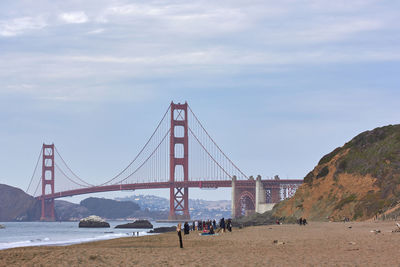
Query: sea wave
[(48, 242)]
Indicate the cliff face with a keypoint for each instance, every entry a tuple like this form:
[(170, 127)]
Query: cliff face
[(15, 204), (358, 180)]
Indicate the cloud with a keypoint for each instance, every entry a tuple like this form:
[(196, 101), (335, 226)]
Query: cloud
[(152, 40), (18, 26), (74, 17), (97, 31)]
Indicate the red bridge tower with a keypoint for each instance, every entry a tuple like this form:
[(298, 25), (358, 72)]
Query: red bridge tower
[(47, 180), (179, 196)]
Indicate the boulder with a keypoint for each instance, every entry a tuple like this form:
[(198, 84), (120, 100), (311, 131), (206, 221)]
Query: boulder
[(139, 224), (93, 222), (160, 230)]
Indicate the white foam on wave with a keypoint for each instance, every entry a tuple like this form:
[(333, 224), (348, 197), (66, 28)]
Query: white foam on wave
[(48, 242)]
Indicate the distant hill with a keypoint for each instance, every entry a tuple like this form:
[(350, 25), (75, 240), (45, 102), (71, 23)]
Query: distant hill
[(199, 208), (66, 211), (108, 208), (358, 180), (15, 204)]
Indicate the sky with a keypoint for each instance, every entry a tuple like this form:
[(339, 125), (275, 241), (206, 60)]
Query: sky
[(277, 84)]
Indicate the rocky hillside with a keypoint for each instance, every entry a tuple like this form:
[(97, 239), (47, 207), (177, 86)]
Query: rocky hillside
[(358, 180), (15, 204)]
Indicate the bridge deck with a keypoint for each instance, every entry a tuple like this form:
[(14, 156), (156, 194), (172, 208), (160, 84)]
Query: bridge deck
[(160, 185)]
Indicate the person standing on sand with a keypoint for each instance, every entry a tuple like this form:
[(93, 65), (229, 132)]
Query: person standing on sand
[(222, 224), (178, 230), (229, 225), (186, 228)]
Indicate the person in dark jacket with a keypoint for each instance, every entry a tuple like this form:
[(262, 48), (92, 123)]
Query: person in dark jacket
[(222, 225), (186, 228), (229, 225)]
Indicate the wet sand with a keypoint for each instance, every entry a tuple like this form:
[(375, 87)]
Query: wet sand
[(317, 244)]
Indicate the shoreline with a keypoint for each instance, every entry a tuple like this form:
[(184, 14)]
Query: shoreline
[(24, 234), (319, 243), (60, 243)]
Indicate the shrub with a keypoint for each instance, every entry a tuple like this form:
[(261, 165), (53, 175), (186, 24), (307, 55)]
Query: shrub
[(324, 172), (328, 157)]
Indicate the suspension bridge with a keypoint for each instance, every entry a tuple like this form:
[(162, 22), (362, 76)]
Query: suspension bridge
[(179, 141)]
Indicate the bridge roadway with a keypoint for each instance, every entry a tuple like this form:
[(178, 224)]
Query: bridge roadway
[(160, 185)]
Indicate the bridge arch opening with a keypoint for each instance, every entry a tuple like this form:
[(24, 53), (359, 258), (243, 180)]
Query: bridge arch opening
[(179, 115), (246, 203), (179, 151), (179, 174), (179, 131)]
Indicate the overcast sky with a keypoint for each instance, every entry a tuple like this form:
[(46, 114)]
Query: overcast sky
[(278, 84)]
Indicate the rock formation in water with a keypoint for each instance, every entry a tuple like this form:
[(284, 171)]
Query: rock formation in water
[(93, 221), (139, 224), (359, 180), (164, 229)]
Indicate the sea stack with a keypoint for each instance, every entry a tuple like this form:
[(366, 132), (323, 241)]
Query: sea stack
[(93, 221), (138, 224)]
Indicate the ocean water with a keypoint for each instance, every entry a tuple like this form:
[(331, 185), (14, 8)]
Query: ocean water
[(23, 234)]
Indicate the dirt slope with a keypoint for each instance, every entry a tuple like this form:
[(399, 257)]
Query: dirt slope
[(358, 180)]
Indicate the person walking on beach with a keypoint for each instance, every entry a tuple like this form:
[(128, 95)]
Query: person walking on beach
[(178, 230)]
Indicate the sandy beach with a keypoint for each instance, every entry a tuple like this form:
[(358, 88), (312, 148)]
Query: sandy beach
[(317, 244)]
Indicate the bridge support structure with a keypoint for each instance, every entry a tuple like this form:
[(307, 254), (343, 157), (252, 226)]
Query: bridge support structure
[(257, 195), (243, 197), (48, 213), (179, 196)]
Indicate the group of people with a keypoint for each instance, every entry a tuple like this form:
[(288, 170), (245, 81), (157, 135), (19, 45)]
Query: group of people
[(207, 227), (302, 221)]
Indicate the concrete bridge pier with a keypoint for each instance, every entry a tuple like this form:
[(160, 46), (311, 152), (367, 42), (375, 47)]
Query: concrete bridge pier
[(261, 198), (233, 201)]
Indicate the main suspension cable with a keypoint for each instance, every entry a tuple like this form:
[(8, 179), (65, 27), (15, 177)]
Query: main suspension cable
[(58, 153), (144, 162), (34, 171), (137, 156), (201, 125)]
